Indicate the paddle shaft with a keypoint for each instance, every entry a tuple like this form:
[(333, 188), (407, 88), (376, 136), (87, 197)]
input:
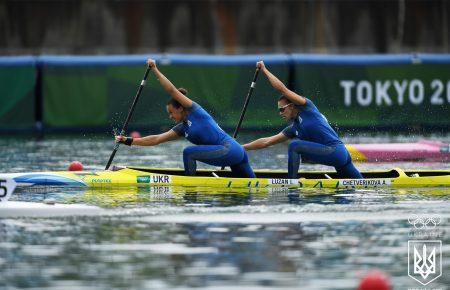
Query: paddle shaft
[(130, 113), (244, 109)]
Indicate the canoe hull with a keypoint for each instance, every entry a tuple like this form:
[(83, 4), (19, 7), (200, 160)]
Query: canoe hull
[(133, 176)]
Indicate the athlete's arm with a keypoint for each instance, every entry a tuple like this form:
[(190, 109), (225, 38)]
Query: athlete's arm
[(280, 87), (265, 142), (150, 140), (168, 86)]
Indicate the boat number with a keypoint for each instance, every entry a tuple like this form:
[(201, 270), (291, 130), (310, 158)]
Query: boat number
[(6, 188), (160, 179), (3, 189)]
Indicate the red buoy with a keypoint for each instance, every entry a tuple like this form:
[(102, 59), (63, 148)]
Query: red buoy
[(75, 166), (135, 134), (375, 280)]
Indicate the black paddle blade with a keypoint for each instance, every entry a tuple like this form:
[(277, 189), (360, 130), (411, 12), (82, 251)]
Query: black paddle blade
[(130, 113)]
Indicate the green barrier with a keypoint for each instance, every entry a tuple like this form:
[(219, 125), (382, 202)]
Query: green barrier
[(17, 102), (74, 96), (387, 95), (221, 90), (95, 92), (100, 95)]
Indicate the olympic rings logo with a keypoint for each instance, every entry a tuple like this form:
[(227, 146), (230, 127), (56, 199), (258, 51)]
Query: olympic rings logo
[(424, 222)]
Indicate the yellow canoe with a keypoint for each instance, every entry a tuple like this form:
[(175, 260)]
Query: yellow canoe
[(145, 176)]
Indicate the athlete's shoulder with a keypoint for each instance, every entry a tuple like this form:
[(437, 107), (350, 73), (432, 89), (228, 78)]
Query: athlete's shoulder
[(179, 129), (309, 103), (289, 131), (198, 111), (194, 107)]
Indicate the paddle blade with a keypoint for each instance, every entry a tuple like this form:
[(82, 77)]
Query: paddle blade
[(113, 153), (7, 186)]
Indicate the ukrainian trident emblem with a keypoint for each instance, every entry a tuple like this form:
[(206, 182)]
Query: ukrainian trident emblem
[(424, 260)]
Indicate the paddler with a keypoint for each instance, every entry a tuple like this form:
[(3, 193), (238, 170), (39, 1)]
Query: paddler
[(212, 145), (312, 137)]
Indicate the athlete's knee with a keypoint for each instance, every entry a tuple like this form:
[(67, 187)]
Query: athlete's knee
[(293, 146), (188, 150), (243, 169), (249, 171), (349, 171), (341, 158)]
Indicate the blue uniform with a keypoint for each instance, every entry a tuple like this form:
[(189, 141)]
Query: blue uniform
[(213, 145), (315, 140)]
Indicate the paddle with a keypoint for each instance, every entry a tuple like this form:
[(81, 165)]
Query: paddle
[(244, 109), (130, 113)]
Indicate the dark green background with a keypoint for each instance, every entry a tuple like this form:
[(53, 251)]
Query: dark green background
[(321, 83), (87, 96), (17, 101)]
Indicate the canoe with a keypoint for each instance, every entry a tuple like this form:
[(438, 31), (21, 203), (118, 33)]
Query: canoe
[(146, 176), (424, 150)]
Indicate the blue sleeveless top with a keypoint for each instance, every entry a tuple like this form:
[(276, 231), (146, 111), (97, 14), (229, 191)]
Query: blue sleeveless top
[(311, 125), (200, 128)]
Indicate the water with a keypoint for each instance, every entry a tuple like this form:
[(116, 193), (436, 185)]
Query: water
[(179, 238)]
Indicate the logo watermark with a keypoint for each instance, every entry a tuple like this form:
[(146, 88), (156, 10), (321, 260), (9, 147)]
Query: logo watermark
[(425, 249), (424, 222), (425, 226), (424, 260)]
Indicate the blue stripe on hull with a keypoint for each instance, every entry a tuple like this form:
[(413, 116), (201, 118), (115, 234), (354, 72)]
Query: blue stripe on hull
[(48, 179)]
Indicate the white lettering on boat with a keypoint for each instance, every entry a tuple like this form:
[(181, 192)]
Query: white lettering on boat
[(101, 180), (161, 179), (363, 182), (281, 181)]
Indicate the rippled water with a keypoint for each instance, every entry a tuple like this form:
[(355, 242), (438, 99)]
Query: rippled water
[(178, 238)]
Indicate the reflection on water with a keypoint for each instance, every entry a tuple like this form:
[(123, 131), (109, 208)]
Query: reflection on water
[(133, 251), (178, 237), (222, 197)]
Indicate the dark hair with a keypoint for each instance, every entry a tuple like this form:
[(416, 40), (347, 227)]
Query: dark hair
[(183, 91), (174, 103), (284, 98)]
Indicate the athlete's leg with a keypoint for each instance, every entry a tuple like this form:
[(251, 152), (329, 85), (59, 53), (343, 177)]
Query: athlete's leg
[(229, 154), (348, 170), (243, 169), (336, 156), (313, 151), (205, 153)]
